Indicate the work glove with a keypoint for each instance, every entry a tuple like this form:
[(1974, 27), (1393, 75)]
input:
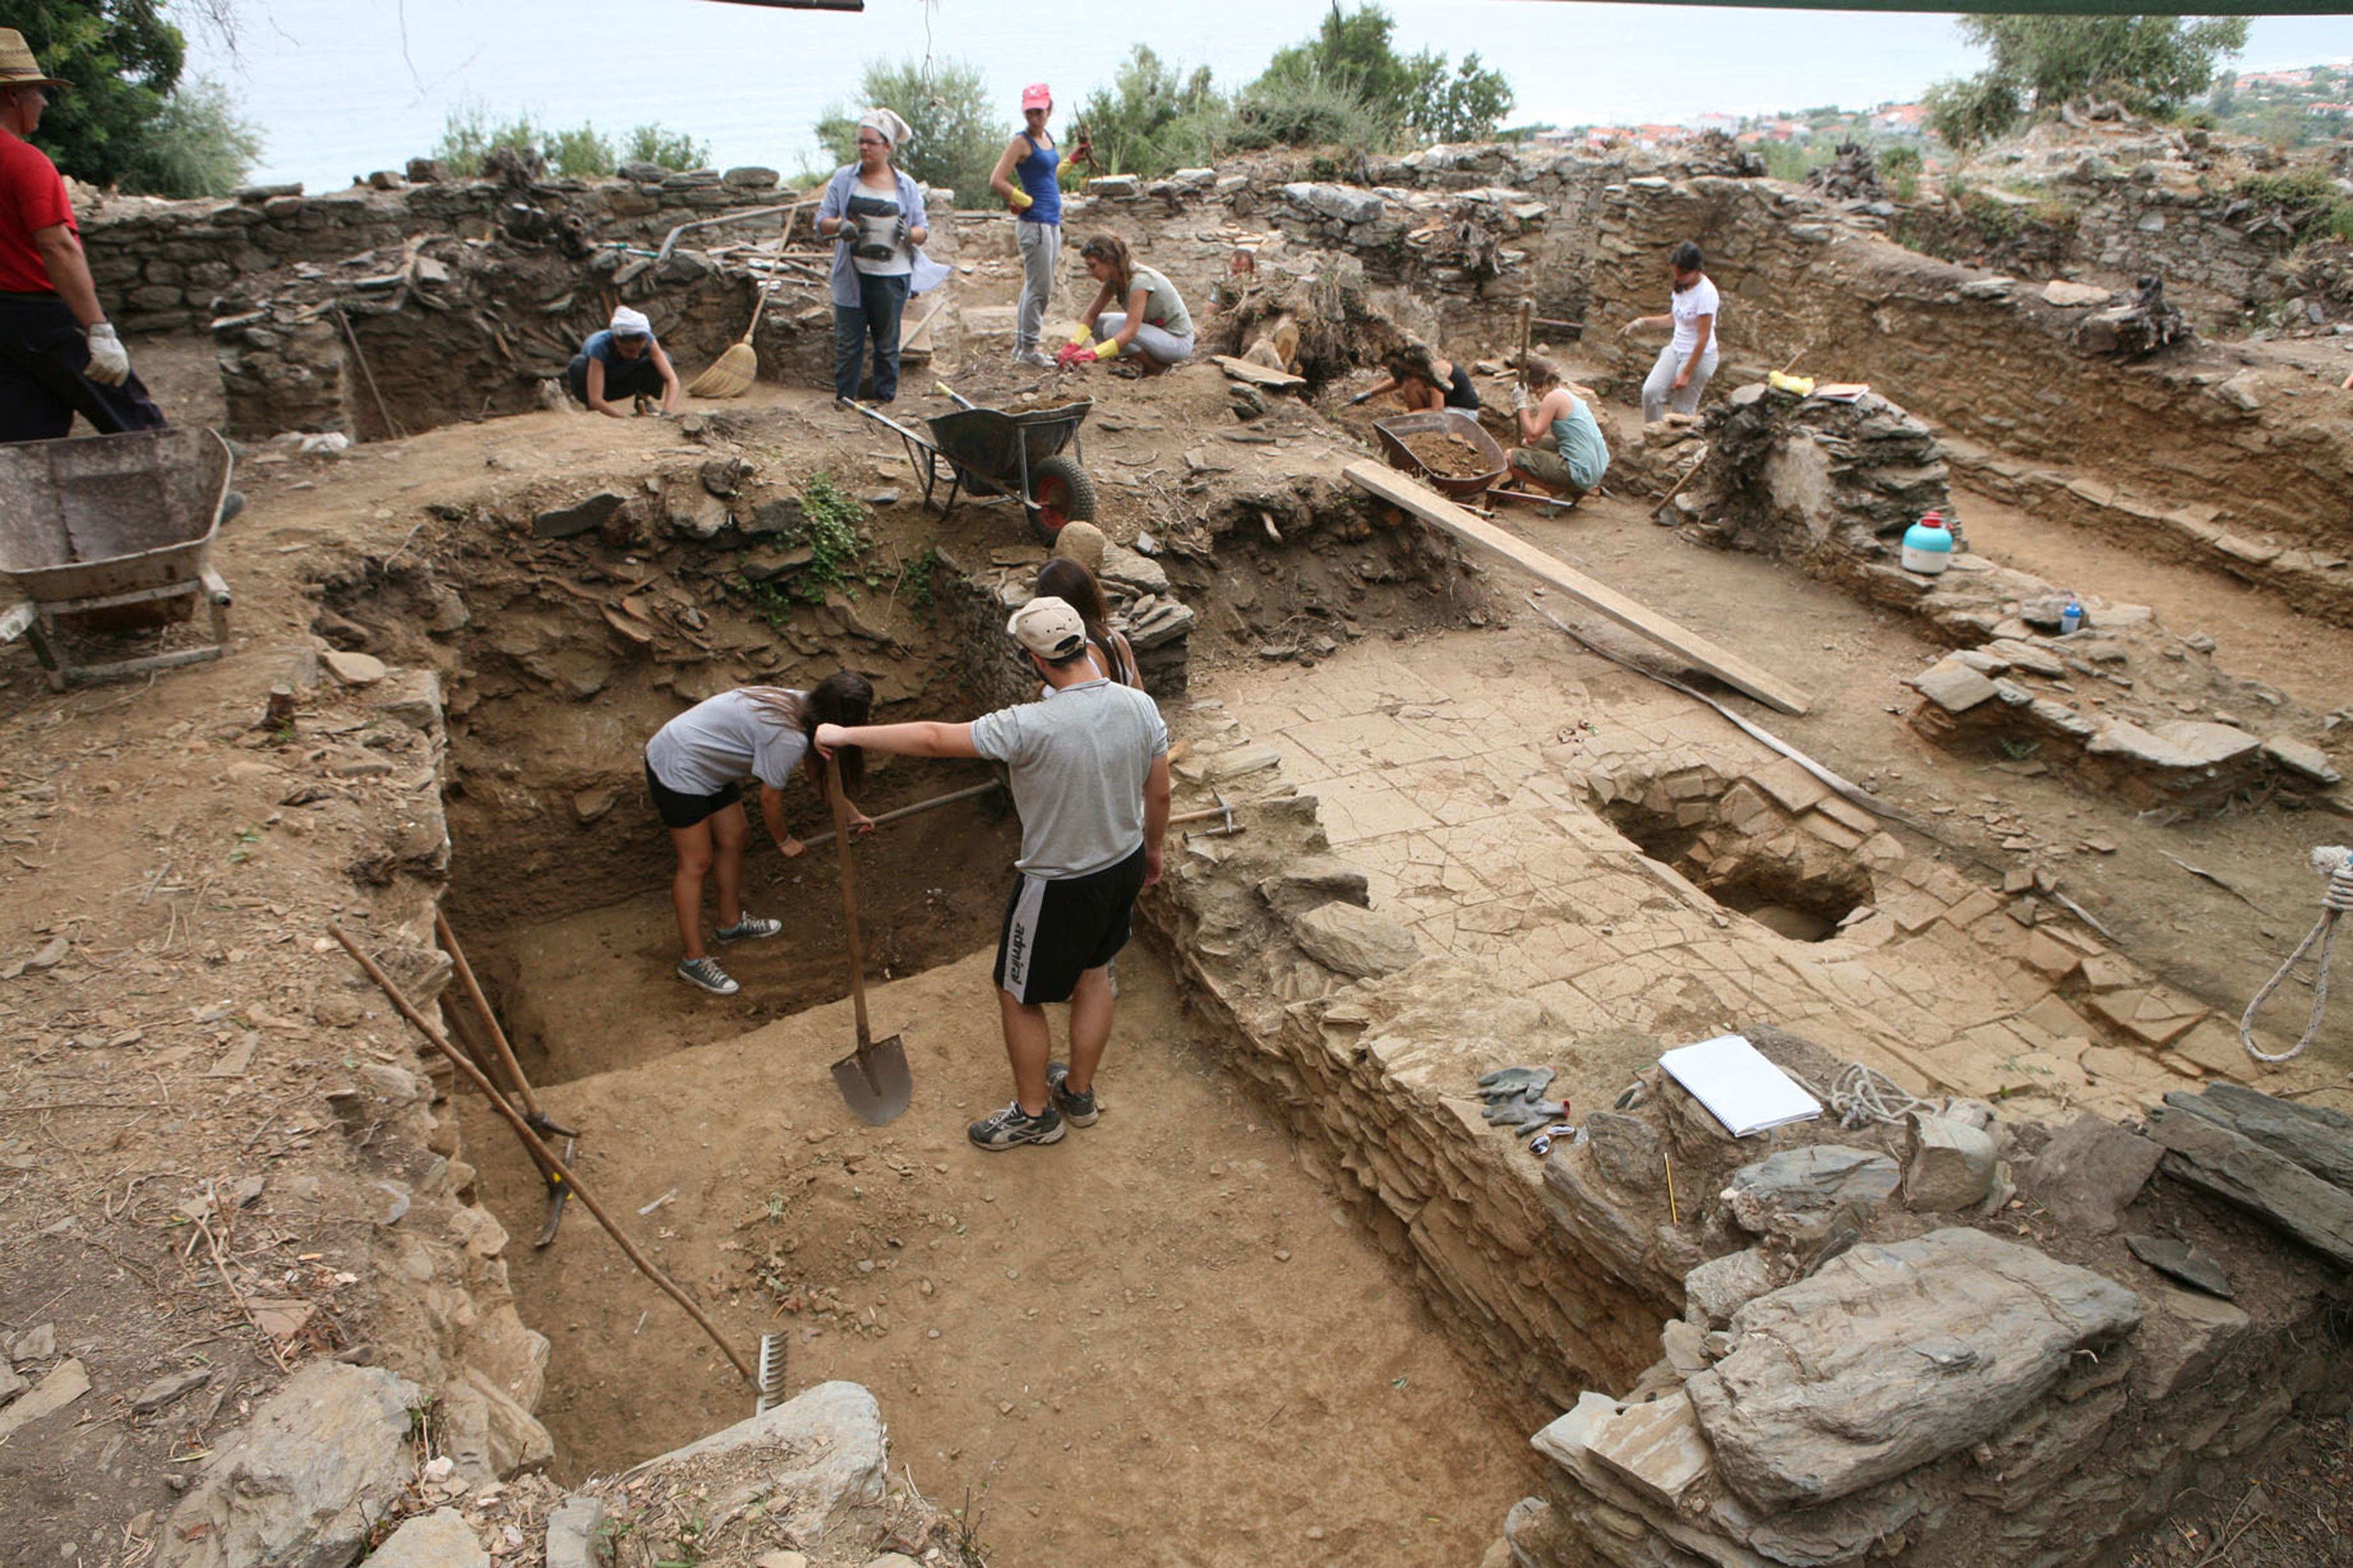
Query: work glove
[(1519, 399), (1507, 1083), (1525, 1114), (1085, 335), (1019, 201), (898, 234), (1070, 354), (108, 366), (1360, 397), (1631, 328), (1107, 349)]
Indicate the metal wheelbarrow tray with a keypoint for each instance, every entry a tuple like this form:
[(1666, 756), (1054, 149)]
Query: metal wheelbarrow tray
[(988, 452), (1450, 422), (111, 533)]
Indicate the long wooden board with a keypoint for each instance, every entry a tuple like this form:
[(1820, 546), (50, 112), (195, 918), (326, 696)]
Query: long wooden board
[(1692, 648)]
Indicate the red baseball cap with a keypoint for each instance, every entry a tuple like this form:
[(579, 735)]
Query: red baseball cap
[(1037, 95)]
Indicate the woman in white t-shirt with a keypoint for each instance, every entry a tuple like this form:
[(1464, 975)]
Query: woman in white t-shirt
[(1687, 364)]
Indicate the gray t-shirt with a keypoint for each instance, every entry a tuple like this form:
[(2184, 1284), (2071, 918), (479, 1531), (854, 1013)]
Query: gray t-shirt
[(717, 742), (1079, 759)]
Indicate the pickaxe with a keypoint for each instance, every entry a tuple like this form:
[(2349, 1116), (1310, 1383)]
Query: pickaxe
[(1223, 811)]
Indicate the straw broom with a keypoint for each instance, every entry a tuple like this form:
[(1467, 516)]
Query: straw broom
[(736, 369)]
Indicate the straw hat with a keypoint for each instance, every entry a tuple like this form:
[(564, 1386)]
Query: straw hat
[(17, 65)]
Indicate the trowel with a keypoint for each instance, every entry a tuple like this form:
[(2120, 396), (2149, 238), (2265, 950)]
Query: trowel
[(873, 1079)]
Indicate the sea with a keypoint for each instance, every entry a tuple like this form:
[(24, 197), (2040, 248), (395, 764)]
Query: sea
[(340, 89)]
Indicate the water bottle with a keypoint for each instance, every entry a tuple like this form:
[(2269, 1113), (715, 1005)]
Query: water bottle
[(2071, 616), (1928, 545)]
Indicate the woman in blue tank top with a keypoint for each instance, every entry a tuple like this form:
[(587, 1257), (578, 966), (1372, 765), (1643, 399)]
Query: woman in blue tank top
[(1033, 160)]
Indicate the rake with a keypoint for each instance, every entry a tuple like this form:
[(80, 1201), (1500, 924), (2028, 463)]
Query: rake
[(735, 370)]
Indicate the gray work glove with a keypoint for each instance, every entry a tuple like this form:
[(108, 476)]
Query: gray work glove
[(1523, 1082), (1526, 1113), (898, 234), (1519, 397), (109, 364)]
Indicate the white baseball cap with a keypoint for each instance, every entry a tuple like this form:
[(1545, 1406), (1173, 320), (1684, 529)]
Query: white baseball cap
[(1048, 627)]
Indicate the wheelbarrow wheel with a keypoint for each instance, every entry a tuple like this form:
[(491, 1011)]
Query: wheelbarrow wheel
[(1063, 493)]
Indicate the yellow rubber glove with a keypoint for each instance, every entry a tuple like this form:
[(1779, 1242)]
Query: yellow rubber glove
[(1019, 201), (1085, 335), (1107, 349)]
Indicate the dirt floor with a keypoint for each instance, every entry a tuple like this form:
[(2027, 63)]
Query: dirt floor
[(1159, 1341)]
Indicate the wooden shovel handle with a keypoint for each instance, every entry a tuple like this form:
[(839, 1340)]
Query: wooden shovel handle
[(848, 898)]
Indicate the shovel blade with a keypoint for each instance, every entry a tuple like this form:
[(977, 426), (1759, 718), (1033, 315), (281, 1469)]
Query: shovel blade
[(875, 1081)]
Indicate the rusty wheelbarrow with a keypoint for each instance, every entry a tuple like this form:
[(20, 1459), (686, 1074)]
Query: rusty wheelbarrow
[(1446, 422), (112, 533)]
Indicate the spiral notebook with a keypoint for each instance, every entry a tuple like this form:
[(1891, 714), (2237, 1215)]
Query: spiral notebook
[(1739, 1086)]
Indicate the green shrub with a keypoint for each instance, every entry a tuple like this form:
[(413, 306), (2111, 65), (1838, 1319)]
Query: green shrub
[(197, 146), (469, 133), (1309, 110), (1154, 117), (581, 154), (952, 138), (671, 148), (1900, 166)]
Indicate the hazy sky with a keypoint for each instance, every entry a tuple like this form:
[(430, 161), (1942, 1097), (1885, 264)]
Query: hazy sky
[(342, 89)]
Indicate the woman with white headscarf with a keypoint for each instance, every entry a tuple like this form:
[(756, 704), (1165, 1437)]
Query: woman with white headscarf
[(622, 362), (875, 214)]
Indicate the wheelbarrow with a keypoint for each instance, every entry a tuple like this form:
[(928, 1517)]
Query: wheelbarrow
[(988, 452), (111, 533), (1453, 422)]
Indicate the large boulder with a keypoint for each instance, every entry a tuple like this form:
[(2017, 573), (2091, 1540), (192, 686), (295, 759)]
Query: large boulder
[(1893, 1355), (1351, 940), (327, 1455)]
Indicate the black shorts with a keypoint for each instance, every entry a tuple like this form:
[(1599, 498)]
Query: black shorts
[(686, 810), (1056, 930)]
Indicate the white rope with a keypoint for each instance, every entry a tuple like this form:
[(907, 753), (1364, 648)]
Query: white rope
[(1859, 1094), (2335, 862)]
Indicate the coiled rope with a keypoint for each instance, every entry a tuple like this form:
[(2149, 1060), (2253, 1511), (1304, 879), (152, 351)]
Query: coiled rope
[(1859, 1094), (2336, 863)]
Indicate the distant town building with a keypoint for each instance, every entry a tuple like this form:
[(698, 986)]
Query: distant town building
[(1900, 120)]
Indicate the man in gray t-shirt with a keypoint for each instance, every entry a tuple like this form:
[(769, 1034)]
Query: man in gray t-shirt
[(1089, 773)]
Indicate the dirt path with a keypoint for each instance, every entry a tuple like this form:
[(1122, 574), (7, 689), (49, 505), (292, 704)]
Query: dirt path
[(1159, 1341)]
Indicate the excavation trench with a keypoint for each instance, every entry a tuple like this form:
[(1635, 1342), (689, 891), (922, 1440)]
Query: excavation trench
[(1174, 1338)]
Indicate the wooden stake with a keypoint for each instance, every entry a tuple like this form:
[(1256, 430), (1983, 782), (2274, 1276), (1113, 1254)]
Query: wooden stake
[(1674, 1213), (540, 1151)]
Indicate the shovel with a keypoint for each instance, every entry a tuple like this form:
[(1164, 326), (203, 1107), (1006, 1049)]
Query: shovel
[(873, 1079)]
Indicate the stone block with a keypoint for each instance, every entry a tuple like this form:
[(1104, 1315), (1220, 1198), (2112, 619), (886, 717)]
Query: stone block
[(2090, 1172), (574, 1528), (1656, 1448), (2214, 745), (1801, 1195), (1951, 1166), (2053, 959), (1892, 1356), (2241, 1171), (582, 517), (1972, 908), (1626, 1148), (1789, 786), (1354, 942), (2306, 761), (2200, 1331), (1952, 687), (441, 1539)]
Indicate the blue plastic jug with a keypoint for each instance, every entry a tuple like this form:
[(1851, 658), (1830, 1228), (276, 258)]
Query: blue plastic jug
[(1928, 545)]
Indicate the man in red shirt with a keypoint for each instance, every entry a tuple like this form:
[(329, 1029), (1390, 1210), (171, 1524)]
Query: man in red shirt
[(59, 355)]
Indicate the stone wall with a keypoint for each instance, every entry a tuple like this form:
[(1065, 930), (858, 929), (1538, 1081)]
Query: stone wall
[(160, 265)]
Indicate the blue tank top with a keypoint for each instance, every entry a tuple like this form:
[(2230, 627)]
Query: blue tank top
[(1037, 181)]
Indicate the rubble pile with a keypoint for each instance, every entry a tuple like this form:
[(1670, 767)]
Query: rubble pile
[(1829, 485), (1870, 1367), (1851, 176)]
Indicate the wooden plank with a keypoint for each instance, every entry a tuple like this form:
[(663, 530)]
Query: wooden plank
[(1256, 374), (1689, 647)]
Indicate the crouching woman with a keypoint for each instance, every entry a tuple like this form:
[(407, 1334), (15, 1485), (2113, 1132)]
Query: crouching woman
[(1561, 447)]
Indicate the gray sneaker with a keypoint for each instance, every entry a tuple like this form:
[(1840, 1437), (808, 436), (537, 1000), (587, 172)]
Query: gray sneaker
[(1078, 1110), (706, 972), (749, 926), (1013, 1126)]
